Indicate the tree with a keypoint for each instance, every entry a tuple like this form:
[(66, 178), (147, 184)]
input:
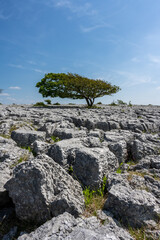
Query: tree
[(74, 86)]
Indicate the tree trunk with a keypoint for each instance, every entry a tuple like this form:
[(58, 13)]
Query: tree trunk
[(89, 101)]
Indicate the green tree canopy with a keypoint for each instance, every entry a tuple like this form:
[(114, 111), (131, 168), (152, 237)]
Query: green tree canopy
[(74, 86)]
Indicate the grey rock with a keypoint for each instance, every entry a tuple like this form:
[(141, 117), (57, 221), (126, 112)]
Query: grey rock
[(65, 133), (8, 160), (140, 150), (120, 150), (67, 227), (89, 159), (25, 137), (134, 207), (40, 147), (11, 234), (40, 189)]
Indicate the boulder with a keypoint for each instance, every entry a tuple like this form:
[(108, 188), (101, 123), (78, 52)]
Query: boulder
[(25, 137), (41, 189), (8, 160), (134, 207), (88, 159)]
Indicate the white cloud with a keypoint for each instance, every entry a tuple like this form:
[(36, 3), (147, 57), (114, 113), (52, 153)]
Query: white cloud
[(16, 88), (158, 88), (16, 66), (4, 94)]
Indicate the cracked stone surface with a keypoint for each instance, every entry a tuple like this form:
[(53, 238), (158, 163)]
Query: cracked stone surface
[(47, 155)]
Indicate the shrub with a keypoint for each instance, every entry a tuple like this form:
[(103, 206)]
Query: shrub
[(57, 103), (113, 103), (40, 104), (48, 101)]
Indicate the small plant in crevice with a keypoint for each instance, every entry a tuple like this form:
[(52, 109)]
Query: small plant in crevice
[(101, 139), (30, 150), (23, 158), (55, 139), (94, 199), (5, 136), (119, 170), (140, 234), (13, 128), (70, 170)]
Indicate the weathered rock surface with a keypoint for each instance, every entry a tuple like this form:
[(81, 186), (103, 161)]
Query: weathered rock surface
[(40, 189), (25, 137), (133, 199), (10, 155), (66, 227), (88, 158), (135, 207), (93, 143)]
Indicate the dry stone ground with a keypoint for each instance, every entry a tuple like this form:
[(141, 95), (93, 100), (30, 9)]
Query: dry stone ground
[(49, 155)]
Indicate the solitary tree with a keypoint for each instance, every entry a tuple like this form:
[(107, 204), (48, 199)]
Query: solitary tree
[(74, 86)]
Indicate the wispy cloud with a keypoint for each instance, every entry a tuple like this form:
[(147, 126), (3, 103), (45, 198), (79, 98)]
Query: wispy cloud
[(16, 66), (80, 10), (15, 88), (32, 62), (92, 28), (154, 59), (132, 79), (158, 88), (38, 70), (135, 59), (4, 94)]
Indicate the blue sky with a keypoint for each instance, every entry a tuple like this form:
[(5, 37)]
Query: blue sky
[(114, 40)]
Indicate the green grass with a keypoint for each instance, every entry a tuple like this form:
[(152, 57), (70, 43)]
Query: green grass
[(23, 158), (5, 136), (140, 234), (94, 199), (55, 139), (119, 170), (30, 150)]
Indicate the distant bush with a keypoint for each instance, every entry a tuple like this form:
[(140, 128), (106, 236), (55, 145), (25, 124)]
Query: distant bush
[(99, 103), (40, 104), (48, 101), (130, 104), (120, 103), (57, 103), (113, 103)]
